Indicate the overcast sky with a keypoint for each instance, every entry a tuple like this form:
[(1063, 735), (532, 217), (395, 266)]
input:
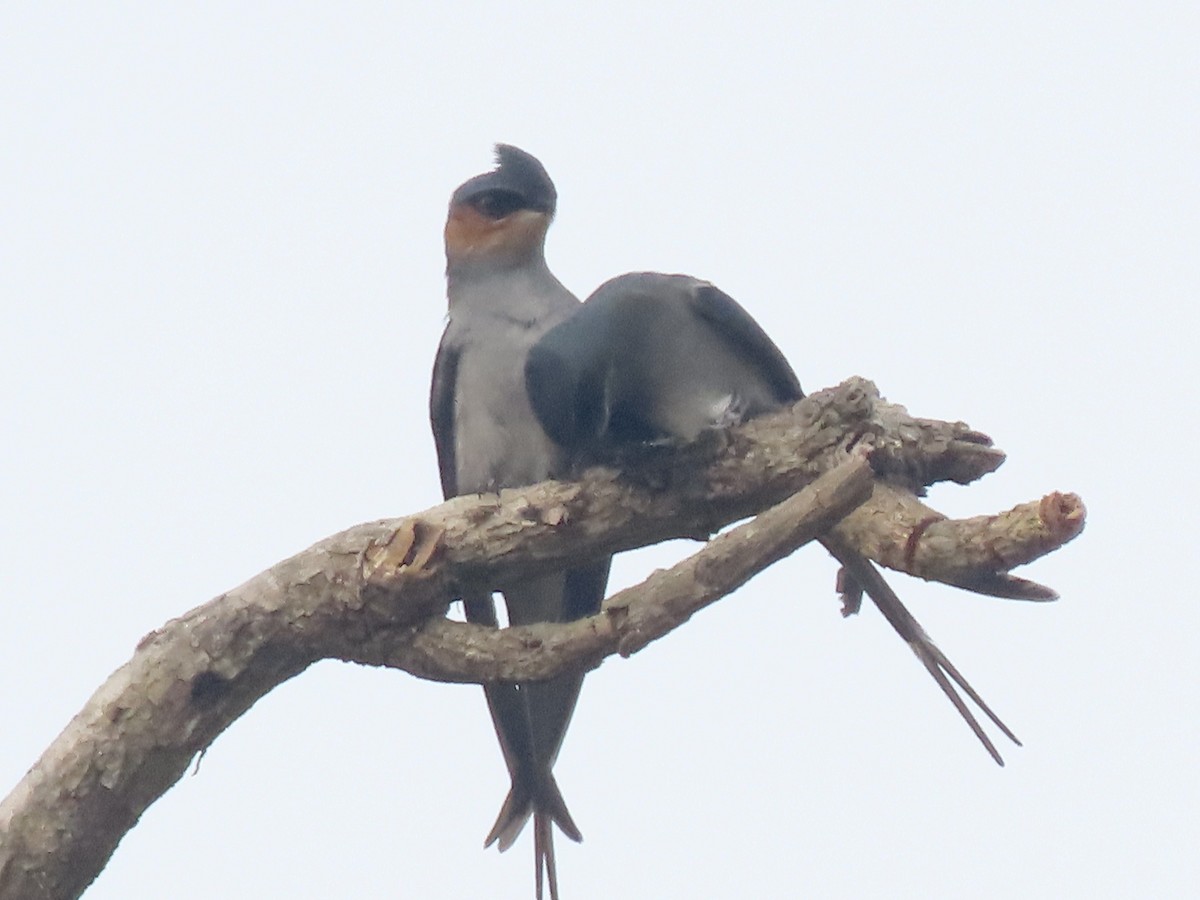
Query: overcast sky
[(221, 277)]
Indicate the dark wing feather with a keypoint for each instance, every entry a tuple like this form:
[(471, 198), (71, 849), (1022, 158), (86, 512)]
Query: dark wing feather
[(566, 382), (551, 390), (733, 322), (441, 415)]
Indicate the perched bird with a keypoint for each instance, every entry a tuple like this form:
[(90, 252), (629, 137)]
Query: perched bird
[(651, 357), (502, 299)]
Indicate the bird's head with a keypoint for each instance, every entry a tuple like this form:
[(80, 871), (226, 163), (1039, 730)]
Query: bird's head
[(500, 218)]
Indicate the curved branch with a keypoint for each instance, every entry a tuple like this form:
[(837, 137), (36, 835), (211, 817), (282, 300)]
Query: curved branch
[(443, 650), (192, 678), (376, 592)]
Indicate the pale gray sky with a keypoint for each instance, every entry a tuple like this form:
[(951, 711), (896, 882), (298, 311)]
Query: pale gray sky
[(221, 277)]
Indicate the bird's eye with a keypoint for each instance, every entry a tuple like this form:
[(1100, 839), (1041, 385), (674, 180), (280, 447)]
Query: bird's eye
[(498, 204)]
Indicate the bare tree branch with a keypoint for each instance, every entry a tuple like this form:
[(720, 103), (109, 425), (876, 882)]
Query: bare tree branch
[(900, 532), (376, 594)]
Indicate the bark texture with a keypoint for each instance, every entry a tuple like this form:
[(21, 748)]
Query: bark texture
[(377, 594)]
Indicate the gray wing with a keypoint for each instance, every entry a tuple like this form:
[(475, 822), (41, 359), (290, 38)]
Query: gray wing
[(565, 380), (441, 414), (730, 320)]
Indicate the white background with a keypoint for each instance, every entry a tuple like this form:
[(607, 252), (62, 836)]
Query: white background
[(221, 279)]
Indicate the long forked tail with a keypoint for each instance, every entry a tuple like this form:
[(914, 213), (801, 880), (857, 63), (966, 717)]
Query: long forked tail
[(521, 803), (548, 810), (869, 579)]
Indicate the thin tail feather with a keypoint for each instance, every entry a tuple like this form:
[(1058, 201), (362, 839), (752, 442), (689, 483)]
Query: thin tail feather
[(512, 818), (543, 855), (869, 579), (552, 806)]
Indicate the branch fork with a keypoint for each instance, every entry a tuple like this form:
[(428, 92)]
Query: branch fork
[(842, 465)]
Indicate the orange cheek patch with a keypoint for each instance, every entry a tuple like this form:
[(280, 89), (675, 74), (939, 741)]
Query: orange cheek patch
[(469, 231)]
